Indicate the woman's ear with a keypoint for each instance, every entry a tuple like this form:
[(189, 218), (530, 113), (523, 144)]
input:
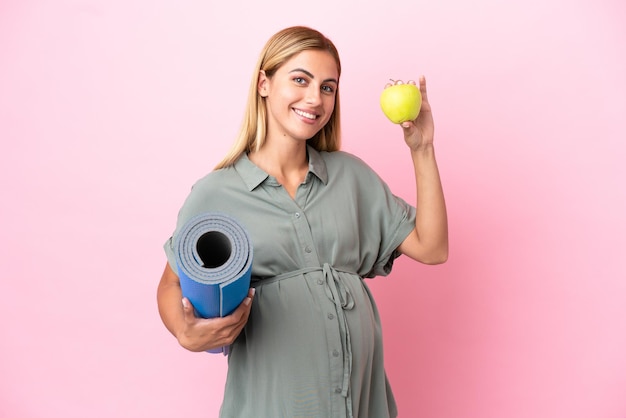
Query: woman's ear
[(262, 84)]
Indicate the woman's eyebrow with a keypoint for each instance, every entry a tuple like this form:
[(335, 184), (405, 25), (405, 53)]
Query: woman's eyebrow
[(302, 70)]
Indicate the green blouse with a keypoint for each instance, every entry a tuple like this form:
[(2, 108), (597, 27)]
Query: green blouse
[(313, 345)]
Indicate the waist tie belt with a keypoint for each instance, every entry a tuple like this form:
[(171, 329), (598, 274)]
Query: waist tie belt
[(340, 295)]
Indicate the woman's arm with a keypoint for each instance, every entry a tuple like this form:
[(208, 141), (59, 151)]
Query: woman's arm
[(197, 334), (428, 242)]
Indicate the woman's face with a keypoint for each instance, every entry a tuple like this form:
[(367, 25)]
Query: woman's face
[(300, 96)]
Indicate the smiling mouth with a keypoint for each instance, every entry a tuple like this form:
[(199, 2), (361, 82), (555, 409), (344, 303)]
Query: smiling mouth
[(304, 114)]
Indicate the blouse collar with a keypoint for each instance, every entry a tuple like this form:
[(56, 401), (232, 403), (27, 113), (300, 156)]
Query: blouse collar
[(253, 176)]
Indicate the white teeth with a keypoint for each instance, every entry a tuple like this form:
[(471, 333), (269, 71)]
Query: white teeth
[(305, 114)]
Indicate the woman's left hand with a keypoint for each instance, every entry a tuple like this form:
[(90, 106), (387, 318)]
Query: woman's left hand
[(420, 131)]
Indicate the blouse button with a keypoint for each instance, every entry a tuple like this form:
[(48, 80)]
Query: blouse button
[(297, 215), (335, 353), (307, 249), (331, 316), (337, 390)]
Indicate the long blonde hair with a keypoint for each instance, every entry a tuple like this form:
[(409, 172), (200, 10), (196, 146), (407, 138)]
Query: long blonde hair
[(278, 49)]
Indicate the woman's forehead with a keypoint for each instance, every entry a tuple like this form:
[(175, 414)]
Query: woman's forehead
[(319, 63)]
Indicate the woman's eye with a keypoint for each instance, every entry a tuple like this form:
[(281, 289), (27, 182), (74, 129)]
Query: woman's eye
[(299, 80), (328, 89)]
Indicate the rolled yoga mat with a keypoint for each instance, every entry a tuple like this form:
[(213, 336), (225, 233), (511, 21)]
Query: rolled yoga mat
[(214, 258)]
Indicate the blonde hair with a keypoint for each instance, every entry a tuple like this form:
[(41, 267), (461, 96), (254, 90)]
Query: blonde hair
[(278, 49)]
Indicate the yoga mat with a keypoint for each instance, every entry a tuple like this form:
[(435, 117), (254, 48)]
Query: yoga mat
[(214, 258)]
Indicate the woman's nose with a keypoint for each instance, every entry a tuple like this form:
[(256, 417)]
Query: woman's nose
[(313, 95)]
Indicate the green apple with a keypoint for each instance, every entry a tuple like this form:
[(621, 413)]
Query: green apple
[(401, 102)]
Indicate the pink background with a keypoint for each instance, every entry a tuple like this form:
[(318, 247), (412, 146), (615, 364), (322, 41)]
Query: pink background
[(109, 110)]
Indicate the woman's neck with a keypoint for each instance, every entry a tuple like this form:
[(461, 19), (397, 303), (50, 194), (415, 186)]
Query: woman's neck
[(288, 164)]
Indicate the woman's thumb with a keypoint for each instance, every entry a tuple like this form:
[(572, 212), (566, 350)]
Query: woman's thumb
[(187, 308), (407, 128)]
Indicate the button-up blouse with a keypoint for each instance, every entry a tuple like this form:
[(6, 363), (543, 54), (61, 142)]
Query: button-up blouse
[(312, 346)]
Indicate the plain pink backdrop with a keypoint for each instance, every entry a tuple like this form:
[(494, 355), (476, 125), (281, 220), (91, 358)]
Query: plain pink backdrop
[(110, 110)]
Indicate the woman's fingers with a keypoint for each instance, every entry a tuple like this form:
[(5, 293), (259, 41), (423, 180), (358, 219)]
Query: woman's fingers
[(202, 334)]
